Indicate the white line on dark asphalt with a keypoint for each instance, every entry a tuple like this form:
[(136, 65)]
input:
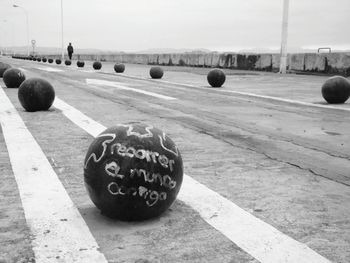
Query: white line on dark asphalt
[(83, 70), (116, 85), (78, 69), (86, 123), (59, 232), (259, 239), (22, 69), (49, 69), (288, 100)]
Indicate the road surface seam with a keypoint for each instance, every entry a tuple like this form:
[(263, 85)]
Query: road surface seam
[(257, 151)]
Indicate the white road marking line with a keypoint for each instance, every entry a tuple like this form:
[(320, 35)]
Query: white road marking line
[(308, 104), (22, 69), (60, 233), (259, 239), (116, 85), (83, 121), (288, 100), (86, 70), (159, 81), (49, 69)]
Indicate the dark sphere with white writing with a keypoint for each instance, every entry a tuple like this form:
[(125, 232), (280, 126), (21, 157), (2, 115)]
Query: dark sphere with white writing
[(13, 77), (156, 72), (336, 90), (133, 172), (216, 78), (36, 94)]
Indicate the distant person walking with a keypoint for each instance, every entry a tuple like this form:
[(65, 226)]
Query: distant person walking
[(70, 51)]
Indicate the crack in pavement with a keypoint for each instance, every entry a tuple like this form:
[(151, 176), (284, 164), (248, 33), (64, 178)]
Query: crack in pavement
[(276, 159)]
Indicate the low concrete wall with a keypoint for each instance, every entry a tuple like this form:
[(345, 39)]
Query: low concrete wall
[(333, 63)]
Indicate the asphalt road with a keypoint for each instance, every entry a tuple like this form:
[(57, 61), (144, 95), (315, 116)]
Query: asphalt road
[(266, 142)]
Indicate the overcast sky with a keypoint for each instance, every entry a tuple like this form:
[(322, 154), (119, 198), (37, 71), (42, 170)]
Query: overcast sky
[(132, 25)]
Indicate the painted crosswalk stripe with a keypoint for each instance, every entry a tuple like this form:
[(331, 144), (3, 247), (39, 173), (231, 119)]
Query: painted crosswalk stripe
[(59, 232), (259, 239), (122, 87)]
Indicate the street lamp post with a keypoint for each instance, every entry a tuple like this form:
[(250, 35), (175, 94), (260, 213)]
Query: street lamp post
[(4, 37), (27, 20), (2, 40), (283, 60), (9, 28), (1, 43), (62, 42)]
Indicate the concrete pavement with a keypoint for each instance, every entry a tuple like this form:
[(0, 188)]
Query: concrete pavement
[(286, 164)]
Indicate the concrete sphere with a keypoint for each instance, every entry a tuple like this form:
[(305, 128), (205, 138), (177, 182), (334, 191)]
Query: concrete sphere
[(44, 59), (119, 68), (13, 77), (50, 60), (336, 90), (67, 62), (58, 61), (80, 64), (216, 78), (36, 94), (97, 65), (3, 68), (156, 72), (133, 172)]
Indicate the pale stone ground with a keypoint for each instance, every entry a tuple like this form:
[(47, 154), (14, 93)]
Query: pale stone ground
[(286, 164)]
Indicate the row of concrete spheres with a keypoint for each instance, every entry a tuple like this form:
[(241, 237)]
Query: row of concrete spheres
[(216, 77), (335, 90)]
